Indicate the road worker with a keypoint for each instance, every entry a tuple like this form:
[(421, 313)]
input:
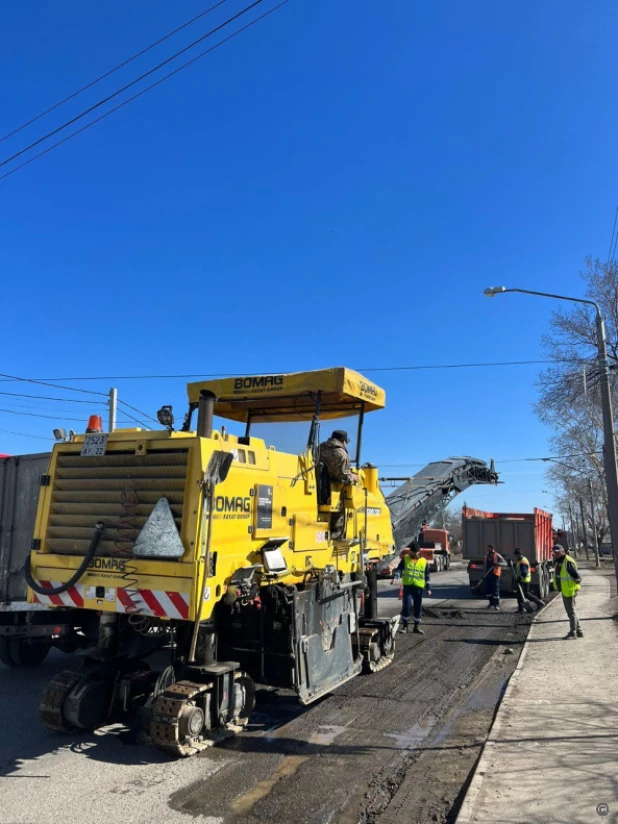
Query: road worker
[(567, 580), (493, 571), (523, 576), (415, 578), (333, 455)]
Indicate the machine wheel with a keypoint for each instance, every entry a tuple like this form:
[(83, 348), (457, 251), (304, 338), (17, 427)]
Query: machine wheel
[(538, 589), (27, 653), (180, 722), (53, 698), (23, 652)]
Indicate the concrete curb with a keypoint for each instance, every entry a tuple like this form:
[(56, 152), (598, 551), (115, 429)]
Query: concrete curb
[(466, 811)]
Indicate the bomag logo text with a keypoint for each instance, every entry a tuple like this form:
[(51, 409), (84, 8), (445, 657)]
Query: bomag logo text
[(110, 564), (369, 389), (261, 382), (223, 504)]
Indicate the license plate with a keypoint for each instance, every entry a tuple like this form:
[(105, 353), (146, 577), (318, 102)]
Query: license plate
[(94, 445)]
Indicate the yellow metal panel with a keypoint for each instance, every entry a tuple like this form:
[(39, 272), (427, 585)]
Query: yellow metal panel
[(236, 539)]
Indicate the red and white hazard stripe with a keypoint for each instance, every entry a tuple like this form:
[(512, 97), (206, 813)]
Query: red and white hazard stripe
[(158, 603), (155, 603), (73, 597)]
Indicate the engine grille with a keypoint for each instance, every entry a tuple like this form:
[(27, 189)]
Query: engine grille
[(118, 488)]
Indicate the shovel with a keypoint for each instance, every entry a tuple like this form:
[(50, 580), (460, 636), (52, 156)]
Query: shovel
[(527, 604), (528, 607), (476, 587), (216, 472)]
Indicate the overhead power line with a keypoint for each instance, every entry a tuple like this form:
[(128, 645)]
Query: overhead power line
[(25, 435), (115, 69), (612, 242), (46, 398), (52, 385), (143, 91), (141, 423), (184, 376), (506, 460), (38, 415), (127, 86), (139, 412)]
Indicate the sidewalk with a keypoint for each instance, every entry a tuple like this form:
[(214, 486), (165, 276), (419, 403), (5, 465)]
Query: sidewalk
[(552, 754)]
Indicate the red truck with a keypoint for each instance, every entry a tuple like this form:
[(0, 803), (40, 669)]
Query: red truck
[(530, 532)]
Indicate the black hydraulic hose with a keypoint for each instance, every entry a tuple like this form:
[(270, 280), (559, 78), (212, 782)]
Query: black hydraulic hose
[(94, 543)]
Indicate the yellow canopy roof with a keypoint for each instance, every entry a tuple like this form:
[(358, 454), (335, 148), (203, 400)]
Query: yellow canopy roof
[(291, 396)]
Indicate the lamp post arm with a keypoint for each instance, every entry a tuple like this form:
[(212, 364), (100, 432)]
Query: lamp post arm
[(559, 297)]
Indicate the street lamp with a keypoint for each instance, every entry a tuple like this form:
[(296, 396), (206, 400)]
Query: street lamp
[(609, 451)]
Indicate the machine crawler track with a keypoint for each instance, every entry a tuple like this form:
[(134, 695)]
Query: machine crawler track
[(53, 698), (374, 660), (167, 730)]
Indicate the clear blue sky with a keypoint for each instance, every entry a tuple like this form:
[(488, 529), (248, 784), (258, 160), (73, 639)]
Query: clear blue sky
[(335, 186)]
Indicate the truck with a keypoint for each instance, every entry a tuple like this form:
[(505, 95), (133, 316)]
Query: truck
[(530, 532), (28, 631), (435, 547)]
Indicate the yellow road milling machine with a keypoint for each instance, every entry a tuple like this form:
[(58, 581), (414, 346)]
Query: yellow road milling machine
[(217, 551)]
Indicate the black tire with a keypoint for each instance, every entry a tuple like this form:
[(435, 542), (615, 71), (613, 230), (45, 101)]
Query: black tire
[(5, 652), (537, 589), (27, 653), (543, 583)]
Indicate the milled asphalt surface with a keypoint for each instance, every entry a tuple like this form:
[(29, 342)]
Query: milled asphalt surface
[(340, 760)]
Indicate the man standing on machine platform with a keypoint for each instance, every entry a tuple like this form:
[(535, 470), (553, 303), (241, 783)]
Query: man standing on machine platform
[(333, 455)]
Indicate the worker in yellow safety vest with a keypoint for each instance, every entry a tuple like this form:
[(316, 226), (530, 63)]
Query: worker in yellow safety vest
[(567, 580), (523, 576), (415, 578)]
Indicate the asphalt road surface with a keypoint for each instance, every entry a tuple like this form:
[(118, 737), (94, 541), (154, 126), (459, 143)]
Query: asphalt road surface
[(395, 747)]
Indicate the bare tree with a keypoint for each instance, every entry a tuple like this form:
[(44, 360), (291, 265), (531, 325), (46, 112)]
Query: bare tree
[(452, 523), (569, 397)]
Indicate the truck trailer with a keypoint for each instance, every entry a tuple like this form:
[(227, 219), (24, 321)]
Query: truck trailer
[(29, 630), (530, 532)]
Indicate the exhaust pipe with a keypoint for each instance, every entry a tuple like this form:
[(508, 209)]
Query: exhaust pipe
[(205, 413)]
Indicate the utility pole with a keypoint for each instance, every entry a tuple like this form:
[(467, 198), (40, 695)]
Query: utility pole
[(609, 447), (597, 560), (573, 533), (113, 408), (584, 530), (609, 437)]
